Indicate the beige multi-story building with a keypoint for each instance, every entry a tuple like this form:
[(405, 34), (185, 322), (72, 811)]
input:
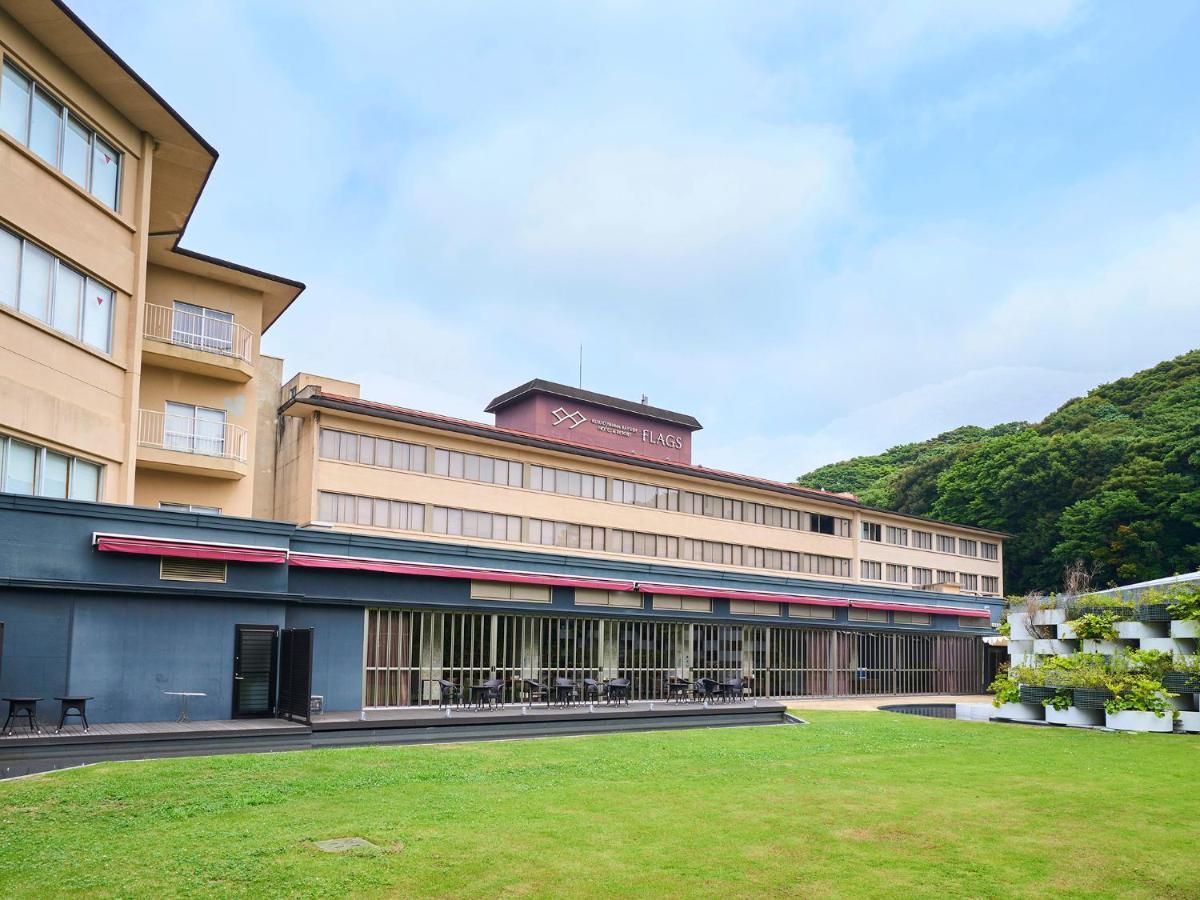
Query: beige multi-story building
[(566, 469), (130, 368)]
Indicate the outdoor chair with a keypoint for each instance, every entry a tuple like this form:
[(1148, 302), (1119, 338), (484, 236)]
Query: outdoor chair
[(617, 690), (451, 693), (489, 692), (591, 689), (535, 691), (677, 688), (565, 691), (705, 689), (732, 690)]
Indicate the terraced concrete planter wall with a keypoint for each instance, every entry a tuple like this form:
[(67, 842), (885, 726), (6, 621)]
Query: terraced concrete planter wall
[(1190, 721), (1054, 647), (1049, 617), (1133, 720), (1166, 645), (1108, 648), (1025, 712), (1066, 632), (1188, 629), (1019, 623), (1073, 715), (1137, 631)]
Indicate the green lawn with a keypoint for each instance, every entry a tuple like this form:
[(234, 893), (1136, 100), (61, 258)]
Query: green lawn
[(856, 804)]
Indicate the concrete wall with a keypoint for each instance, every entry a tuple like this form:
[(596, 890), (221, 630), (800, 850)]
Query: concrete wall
[(337, 651)]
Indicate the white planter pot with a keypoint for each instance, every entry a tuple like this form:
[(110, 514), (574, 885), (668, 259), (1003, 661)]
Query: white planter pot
[(1188, 629), (1025, 712), (1053, 647), (1108, 648), (1190, 721), (1049, 617), (1136, 631), (1132, 720), (1075, 716), (974, 712), (1020, 627), (1167, 645), (1066, 632)]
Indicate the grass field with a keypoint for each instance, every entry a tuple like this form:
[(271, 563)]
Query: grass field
[(862, 804)]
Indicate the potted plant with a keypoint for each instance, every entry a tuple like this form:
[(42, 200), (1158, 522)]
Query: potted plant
[(1153, 605), (1120, 607), (1183, 604), (1007, 700), (1182, 676), (1097, 630), (1061, 710), (1032, 682), (1139, 703)]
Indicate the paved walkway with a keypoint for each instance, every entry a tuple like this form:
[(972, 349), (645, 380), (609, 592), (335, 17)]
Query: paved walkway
[(872, 704)]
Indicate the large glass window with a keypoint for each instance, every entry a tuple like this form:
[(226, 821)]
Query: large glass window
[(46, 288), (194, 429), (368, 450), (32, 116), (473, 467), (202, 328), (29, 469)]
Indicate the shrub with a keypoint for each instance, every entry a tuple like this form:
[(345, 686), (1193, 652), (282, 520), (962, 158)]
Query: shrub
[(1005, 689), (1061, 701), (1097, 626), (1137, 693), (1153, 664), (1119, 606), (1183, 601)]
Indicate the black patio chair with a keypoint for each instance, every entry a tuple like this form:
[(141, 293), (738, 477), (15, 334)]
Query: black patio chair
[(591, 689), (732, 690), (705, 689), (617, 691), (489, 693), (677, 688), (565, 691), (450, 694), (534, 691)]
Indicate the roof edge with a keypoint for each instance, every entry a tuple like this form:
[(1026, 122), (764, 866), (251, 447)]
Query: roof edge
[(541, 385)]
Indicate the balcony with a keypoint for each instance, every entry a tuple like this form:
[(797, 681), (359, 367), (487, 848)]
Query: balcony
[(191, 445), (178, 339)]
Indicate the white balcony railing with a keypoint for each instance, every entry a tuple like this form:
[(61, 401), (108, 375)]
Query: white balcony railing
[(190, 434), (199, 332)]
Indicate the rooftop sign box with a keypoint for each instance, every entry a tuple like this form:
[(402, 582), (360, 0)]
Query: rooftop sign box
[(596, 420)]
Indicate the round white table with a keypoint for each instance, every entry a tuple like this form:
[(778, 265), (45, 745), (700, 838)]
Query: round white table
[(183, 701)]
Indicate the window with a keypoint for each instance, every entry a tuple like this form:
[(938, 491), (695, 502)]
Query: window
[(472, 467), (202, 328), (991, 584), (989, 551), (573, 484), (945, 544), (798, 611), (30, 469), (190, 508), (872, 531), (945, 577), (823, 524), (872, 571), (753, 608), (922, 577), (815, 564), (565, 534), (903, 617), (898, 574), (518, 593), (712, 552), (194, 429), (473, 523), (874, 616), (38, 121), (374, 511), (968, 548), (368, 450), (968, 581), (47, 289), (626, 599), (685, 604), (973, 622), (897, 536), (922, 540), (642, 544)]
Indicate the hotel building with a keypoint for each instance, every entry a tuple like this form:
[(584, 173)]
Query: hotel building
[(168, 506)]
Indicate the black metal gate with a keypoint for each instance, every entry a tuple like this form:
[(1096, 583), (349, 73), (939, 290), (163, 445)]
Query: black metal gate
[(295, 674)]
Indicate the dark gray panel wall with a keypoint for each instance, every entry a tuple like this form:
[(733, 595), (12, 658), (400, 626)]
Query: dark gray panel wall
[(126, 652), (337, 651), (37, 628)]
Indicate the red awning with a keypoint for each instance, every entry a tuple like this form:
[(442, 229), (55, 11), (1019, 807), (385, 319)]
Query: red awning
[(687, 590), (921, 608), (399, 567), (148, 546)]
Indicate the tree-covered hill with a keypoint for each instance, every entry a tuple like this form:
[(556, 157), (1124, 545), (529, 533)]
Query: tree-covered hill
[(1112, 478)]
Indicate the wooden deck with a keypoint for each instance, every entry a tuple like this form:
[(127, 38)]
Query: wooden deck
[(24, 752)]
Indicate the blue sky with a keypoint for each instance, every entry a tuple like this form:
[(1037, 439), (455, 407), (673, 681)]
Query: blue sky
[(823, 229)]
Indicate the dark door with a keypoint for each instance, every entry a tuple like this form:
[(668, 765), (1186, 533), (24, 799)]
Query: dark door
[(295, 673), (254, 652)]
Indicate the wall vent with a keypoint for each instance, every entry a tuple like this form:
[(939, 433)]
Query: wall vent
[(177, 568)]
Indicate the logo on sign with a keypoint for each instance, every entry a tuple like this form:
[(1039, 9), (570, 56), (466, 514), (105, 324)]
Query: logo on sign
[(575, 418)]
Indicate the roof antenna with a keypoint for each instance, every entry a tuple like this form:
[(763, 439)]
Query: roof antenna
[(645, 399), (581, 367)]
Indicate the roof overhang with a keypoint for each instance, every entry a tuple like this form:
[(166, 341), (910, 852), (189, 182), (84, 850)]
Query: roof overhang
[(152, 546)]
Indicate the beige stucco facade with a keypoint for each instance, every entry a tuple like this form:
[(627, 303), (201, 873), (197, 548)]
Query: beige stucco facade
[(59, 394), (304, 473)]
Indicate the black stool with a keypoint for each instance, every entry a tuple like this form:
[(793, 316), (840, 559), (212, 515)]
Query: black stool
[(22, 707), (73, 706)]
